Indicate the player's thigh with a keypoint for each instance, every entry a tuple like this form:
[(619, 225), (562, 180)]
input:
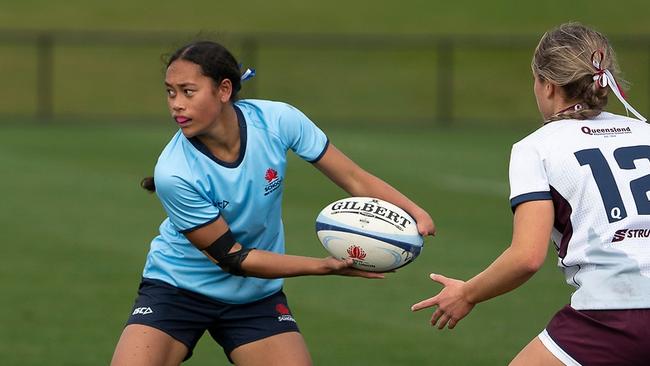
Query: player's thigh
[(286, 349), (143, 345), (535, 354)]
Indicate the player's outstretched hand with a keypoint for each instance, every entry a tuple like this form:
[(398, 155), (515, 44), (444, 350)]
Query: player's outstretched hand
[(451, 303), (344, 268)]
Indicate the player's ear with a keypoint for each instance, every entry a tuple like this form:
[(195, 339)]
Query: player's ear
[(550, 89), (224, 90)]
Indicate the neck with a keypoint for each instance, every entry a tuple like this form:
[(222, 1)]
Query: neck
[(564, 110), (569, 107), (223, 138)]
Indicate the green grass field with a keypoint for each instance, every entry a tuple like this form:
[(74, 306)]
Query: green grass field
[(77, 228)]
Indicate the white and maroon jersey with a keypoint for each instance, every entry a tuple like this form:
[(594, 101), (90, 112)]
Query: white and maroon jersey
[(597, 172)]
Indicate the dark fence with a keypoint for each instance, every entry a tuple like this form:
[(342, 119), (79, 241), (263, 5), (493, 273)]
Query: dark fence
[(453, 78)]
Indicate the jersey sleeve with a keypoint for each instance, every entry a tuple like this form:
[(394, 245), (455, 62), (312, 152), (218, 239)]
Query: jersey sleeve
[(186, 208), (528, 178), (301, 135)]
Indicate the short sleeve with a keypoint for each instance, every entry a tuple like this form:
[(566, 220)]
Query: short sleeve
[(301, 135), (186, 208), (528, 178)]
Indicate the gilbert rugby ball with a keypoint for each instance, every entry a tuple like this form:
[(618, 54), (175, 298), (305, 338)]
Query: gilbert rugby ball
[(376, 234)]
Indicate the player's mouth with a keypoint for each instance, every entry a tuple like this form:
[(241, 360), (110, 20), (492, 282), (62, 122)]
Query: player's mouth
[(182, 121)]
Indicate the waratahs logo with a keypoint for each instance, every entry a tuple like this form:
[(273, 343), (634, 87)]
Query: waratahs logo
[(356, 252), (271, 174), (285, 314), (282, 309), (274, 181)]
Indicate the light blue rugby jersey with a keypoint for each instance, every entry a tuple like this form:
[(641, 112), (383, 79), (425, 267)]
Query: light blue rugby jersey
[(195, 189)]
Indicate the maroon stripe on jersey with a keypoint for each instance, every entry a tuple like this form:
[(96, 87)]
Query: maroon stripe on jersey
[(562, 220), (603, 337)]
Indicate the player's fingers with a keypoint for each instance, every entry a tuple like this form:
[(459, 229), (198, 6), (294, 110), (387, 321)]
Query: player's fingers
[(444, 319), (365, 274), (424, 231), (336, 264), (439, 278), (452, 323), (433, 231), (436, 316), (424, 304), (345, 264), (373, 275)]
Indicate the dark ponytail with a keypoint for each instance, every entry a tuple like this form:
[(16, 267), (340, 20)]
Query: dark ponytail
[(148, 184)]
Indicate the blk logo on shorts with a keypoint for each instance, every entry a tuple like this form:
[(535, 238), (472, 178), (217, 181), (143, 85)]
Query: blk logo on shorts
[(274, 181), (142, 311), (285, 314)]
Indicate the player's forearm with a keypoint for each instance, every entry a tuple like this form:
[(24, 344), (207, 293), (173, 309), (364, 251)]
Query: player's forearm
[(509, 271), (265, 264), (531, 231)]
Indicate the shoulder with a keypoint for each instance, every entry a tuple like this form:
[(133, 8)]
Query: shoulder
[(554, 135), (266, 113), (280, 120), (537, 138), (173, 162), (615, 120), (174, 151)]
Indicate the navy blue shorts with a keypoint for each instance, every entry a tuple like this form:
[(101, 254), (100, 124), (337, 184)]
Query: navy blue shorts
[(186, 315), (599, 337)]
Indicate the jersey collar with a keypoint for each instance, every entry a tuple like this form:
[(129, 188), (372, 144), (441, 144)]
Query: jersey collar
[(241, 121)]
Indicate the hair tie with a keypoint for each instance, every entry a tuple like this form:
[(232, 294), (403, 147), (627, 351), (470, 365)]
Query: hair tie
[(604, 77), (599, 75), (248, 74)]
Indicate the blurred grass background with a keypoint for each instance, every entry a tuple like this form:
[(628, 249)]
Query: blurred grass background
[(77, 227), (331, 74)]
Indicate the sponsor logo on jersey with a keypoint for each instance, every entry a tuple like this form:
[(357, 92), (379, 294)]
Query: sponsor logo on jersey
[(274, 181), (284, 313), (371, 209), (142, 311), (605, 131), (356, 252), (623, 234)]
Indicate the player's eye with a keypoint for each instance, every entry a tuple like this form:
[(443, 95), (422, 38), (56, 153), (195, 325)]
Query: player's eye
[(171, 93), (189, 92)]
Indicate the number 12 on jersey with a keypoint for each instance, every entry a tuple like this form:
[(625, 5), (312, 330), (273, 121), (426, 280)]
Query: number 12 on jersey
[(609, 191)]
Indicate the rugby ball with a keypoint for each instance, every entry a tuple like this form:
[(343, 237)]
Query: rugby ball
[(376, 234)]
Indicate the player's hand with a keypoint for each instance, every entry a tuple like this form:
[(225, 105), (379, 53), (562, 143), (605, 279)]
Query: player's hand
[(424, 223), (451, 303), (344, 268)]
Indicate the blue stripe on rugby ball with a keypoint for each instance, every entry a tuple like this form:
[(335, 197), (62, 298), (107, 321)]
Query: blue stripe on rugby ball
[(413, 239), (409, 247)]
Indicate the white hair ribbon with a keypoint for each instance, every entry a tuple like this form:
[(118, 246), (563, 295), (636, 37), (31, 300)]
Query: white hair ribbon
[(248, 74), (604, 77)]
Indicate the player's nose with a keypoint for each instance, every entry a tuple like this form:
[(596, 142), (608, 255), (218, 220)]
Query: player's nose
[(177, 105)]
